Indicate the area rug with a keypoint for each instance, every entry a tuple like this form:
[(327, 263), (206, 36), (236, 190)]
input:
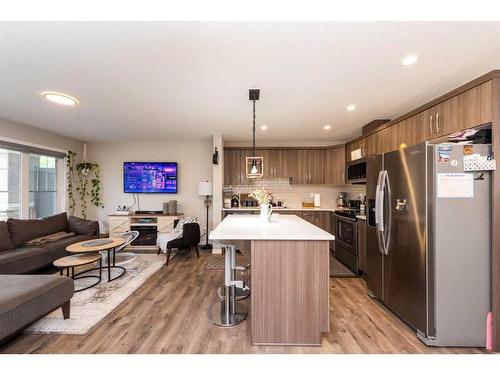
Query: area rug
[(216, 261), (337, 269), (90, 306)]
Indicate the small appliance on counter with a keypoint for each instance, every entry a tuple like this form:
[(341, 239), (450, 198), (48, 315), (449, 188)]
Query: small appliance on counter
[(227, 202), (247, 201), (317, 200), (342, 199), (354, 204), (362, 207), (235, 201)]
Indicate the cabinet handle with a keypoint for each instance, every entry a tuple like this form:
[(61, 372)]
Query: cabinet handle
[(430, 124), (437, 122)]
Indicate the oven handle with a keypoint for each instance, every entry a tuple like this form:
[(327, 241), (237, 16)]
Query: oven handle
[(345, 218)]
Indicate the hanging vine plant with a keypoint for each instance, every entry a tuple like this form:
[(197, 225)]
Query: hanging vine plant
[(89, 184), (70, 177)]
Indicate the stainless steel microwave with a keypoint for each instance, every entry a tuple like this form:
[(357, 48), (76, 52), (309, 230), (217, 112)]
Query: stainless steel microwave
[(356, 171)]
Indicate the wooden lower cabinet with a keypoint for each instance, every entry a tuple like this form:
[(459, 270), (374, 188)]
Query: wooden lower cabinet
[(321, 219), (289, 299), (362, 245)]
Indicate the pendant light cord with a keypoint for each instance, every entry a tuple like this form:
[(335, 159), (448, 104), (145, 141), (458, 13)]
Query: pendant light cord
[(253, 128)]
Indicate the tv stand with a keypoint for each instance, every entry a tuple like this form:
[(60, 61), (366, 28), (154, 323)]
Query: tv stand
[(149, 225)]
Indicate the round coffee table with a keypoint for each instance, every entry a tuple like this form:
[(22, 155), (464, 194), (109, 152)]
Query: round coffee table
[(97, 245), (71, 261)]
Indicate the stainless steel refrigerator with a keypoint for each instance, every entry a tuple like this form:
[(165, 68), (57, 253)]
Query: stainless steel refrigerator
[(428, 241)]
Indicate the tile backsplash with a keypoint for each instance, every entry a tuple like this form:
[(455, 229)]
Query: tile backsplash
[(294, 195)]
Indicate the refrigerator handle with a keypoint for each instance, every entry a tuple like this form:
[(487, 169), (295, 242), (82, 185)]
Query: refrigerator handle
[(379, 214), (378, 199), (388, 220)]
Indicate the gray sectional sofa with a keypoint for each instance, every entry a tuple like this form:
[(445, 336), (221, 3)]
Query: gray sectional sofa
[(24, 297)]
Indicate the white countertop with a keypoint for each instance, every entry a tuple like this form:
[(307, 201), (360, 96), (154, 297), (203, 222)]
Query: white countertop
[(284, 209), (281, 227)]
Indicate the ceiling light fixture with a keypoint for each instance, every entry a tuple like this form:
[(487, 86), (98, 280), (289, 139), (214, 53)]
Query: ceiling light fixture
[(263, 127), (409, 60), (59, 98), (254, 164), (351, 107), (327, 127)]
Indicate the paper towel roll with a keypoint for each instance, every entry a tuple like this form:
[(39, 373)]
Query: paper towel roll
[(317, 200)]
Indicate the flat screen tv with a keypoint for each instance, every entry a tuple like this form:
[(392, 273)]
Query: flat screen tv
[(150, 177)]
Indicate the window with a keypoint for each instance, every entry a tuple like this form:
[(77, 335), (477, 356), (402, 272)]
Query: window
[(42, 186), (10, 184), (32, 183)]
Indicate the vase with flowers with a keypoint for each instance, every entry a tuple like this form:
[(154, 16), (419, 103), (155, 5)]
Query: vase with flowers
[(264, 197)]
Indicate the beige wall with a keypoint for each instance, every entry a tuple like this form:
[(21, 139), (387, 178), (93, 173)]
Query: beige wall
[(195, 165), (25, 133)]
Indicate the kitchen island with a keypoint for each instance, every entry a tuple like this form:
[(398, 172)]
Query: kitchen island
[(289, 260)]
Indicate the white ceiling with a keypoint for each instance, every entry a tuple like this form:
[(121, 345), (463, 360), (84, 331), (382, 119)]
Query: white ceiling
[(185, 81)]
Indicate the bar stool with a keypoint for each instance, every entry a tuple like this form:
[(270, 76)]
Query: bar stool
[(228, 312), (240, 293)]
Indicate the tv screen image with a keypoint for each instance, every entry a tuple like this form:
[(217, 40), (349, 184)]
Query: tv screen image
[(150, 177)]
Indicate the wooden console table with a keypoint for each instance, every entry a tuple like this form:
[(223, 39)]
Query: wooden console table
[(119, 224)]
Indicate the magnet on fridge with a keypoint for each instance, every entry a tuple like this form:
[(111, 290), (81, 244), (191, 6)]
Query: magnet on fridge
[(454, 163)]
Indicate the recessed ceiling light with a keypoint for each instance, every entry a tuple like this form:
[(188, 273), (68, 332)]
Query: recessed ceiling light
[(327, 127), (59, 98), (351, 107), (263, 127), (409, 60)]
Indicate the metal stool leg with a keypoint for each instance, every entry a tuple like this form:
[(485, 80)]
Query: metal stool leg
[(239, 292), (228, 313)]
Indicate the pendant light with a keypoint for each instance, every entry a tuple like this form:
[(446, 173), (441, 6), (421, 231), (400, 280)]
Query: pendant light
[(254, 164)]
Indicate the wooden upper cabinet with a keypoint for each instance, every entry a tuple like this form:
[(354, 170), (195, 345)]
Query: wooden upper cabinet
[(232, 167), (335, 166), (371, 145), (360, 144), (471, 108), (308, 167), (316, 160), (280, 163)]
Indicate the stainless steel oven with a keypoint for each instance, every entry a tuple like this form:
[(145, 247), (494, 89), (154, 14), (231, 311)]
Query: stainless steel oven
[(346, 241)]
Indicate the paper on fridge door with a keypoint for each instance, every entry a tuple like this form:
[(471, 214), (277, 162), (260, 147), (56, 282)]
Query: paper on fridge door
[(455, 185)]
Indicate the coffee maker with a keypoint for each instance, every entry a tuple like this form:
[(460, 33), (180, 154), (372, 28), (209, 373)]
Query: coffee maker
[(235, 201), (342, 199)]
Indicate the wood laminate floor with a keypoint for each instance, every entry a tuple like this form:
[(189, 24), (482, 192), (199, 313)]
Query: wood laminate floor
[(168, 314)]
